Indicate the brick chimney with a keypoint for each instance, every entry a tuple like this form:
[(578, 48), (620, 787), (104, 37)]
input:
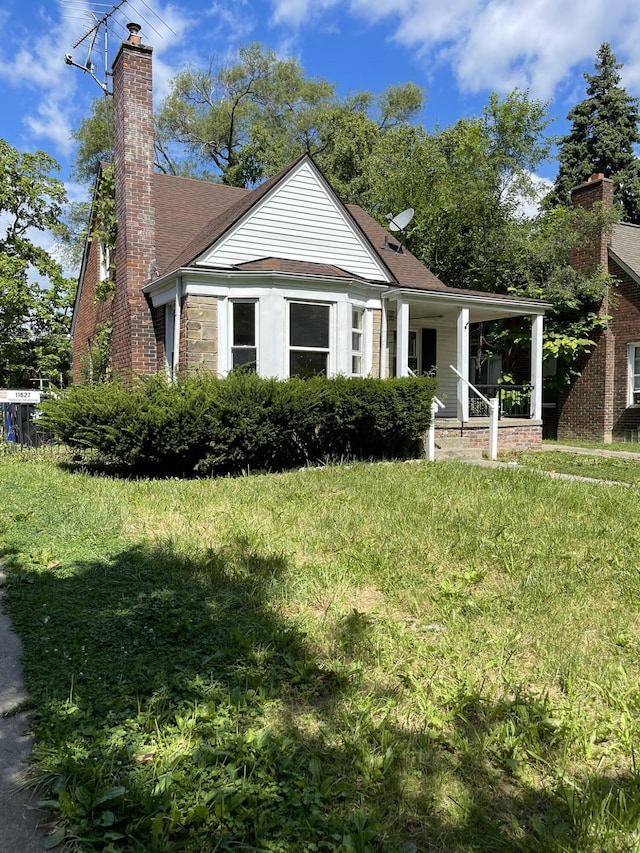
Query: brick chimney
[(596, 189), (133, 348)]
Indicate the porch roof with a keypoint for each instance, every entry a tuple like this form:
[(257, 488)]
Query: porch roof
[(483, 307)]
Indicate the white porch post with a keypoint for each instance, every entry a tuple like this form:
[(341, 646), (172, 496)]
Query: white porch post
[(537, 326), (402, 338), (384, 369), (462, 362)]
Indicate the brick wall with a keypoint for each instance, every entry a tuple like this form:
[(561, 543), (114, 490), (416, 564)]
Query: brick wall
[(89, 313), (200, 333), (596, 189), (586, 410), (133, 343), (625, 308), (525, 436)]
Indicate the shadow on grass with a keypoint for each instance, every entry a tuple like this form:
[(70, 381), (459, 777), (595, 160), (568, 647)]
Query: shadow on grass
[(179, 710)]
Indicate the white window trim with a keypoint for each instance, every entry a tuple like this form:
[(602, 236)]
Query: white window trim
[(256, 319), (631, 348), (357, 309), (330, 350)]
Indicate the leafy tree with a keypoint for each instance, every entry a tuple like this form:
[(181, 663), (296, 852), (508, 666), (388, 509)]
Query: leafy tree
[(468, 184), (604, 130), (243, 121), (34, 314)]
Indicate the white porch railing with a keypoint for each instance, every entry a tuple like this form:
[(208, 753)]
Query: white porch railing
[(430, 442), (494, 410)]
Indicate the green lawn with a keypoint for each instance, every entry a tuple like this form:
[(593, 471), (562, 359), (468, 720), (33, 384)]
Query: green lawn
[(583, 465), (394, 657), (625, 446)]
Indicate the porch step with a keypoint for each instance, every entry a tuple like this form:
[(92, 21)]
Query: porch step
[(457, 447)]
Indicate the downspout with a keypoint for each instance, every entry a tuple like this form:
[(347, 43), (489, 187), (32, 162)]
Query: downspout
[(177, 311)]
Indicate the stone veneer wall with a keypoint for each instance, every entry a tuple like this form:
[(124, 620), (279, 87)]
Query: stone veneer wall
[(199, 335)]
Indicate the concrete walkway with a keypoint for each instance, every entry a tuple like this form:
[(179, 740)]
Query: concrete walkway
[(566, 448), (19, 816)]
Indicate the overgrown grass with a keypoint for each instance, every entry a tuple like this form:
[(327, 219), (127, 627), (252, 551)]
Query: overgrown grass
[(393, 657), (623, 446), (621, 470)]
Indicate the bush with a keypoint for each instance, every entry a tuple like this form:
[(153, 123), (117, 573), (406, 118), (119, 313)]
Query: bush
[(206, 425)]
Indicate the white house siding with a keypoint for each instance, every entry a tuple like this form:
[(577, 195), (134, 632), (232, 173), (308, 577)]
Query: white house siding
[(298, 221), (445, 355)]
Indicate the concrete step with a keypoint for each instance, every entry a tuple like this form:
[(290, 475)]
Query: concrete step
[(459, 453)]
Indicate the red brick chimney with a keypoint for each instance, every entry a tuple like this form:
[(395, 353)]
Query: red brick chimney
[(133, 348), (596, 189)]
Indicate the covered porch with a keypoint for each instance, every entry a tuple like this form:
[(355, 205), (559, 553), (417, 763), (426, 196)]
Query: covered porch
[(430, 332)]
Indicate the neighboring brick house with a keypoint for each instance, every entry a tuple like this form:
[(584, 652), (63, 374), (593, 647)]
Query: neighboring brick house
[(284, 276), (603, 404)]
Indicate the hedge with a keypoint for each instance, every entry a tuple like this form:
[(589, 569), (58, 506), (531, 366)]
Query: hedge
[(210, 426)]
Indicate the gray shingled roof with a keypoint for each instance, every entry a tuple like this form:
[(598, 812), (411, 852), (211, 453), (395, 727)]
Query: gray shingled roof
[(625, 245)]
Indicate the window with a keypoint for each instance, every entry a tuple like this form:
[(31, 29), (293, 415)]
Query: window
[(243, 334), (308, 339), (357, 328), (104, 261), (634, 374)]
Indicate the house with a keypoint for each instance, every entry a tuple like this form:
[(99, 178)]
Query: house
[(284, 276), (603, 404)]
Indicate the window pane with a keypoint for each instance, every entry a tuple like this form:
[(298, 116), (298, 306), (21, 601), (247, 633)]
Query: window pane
[(305, 363), (356, 365), (246, 355), (636, 368), (244, 324), (356, 341), (356, 321), (309, 325)]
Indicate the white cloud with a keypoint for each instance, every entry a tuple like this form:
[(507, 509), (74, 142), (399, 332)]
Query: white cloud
[(496, 44)]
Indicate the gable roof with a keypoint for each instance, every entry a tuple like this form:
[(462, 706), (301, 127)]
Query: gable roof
[(624, 248), (282, 214)]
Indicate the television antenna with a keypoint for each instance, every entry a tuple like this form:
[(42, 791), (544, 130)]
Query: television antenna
[(99, 20), (399, 222)]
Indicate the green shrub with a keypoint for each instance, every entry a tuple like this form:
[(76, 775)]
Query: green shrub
[(206, 425)]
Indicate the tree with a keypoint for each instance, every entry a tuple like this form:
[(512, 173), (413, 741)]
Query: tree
[(35, 297), (604, 130), (243, 121), (467, 184)]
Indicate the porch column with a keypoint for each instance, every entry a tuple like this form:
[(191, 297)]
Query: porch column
[(462, 362), (402, 338), (537, 326)]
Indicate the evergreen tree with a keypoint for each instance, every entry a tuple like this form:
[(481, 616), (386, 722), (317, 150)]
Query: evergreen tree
[(604, 130)]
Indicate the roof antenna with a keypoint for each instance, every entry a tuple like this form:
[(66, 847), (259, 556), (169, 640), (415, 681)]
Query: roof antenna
[(399, 223), (114, 19)]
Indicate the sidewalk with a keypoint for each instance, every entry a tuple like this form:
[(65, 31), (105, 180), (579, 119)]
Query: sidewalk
[(19, 816)]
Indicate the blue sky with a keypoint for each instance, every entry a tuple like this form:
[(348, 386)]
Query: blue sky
[(458, 50)]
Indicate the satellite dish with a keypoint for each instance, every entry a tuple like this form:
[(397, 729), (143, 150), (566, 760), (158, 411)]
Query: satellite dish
[(400, 222)]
